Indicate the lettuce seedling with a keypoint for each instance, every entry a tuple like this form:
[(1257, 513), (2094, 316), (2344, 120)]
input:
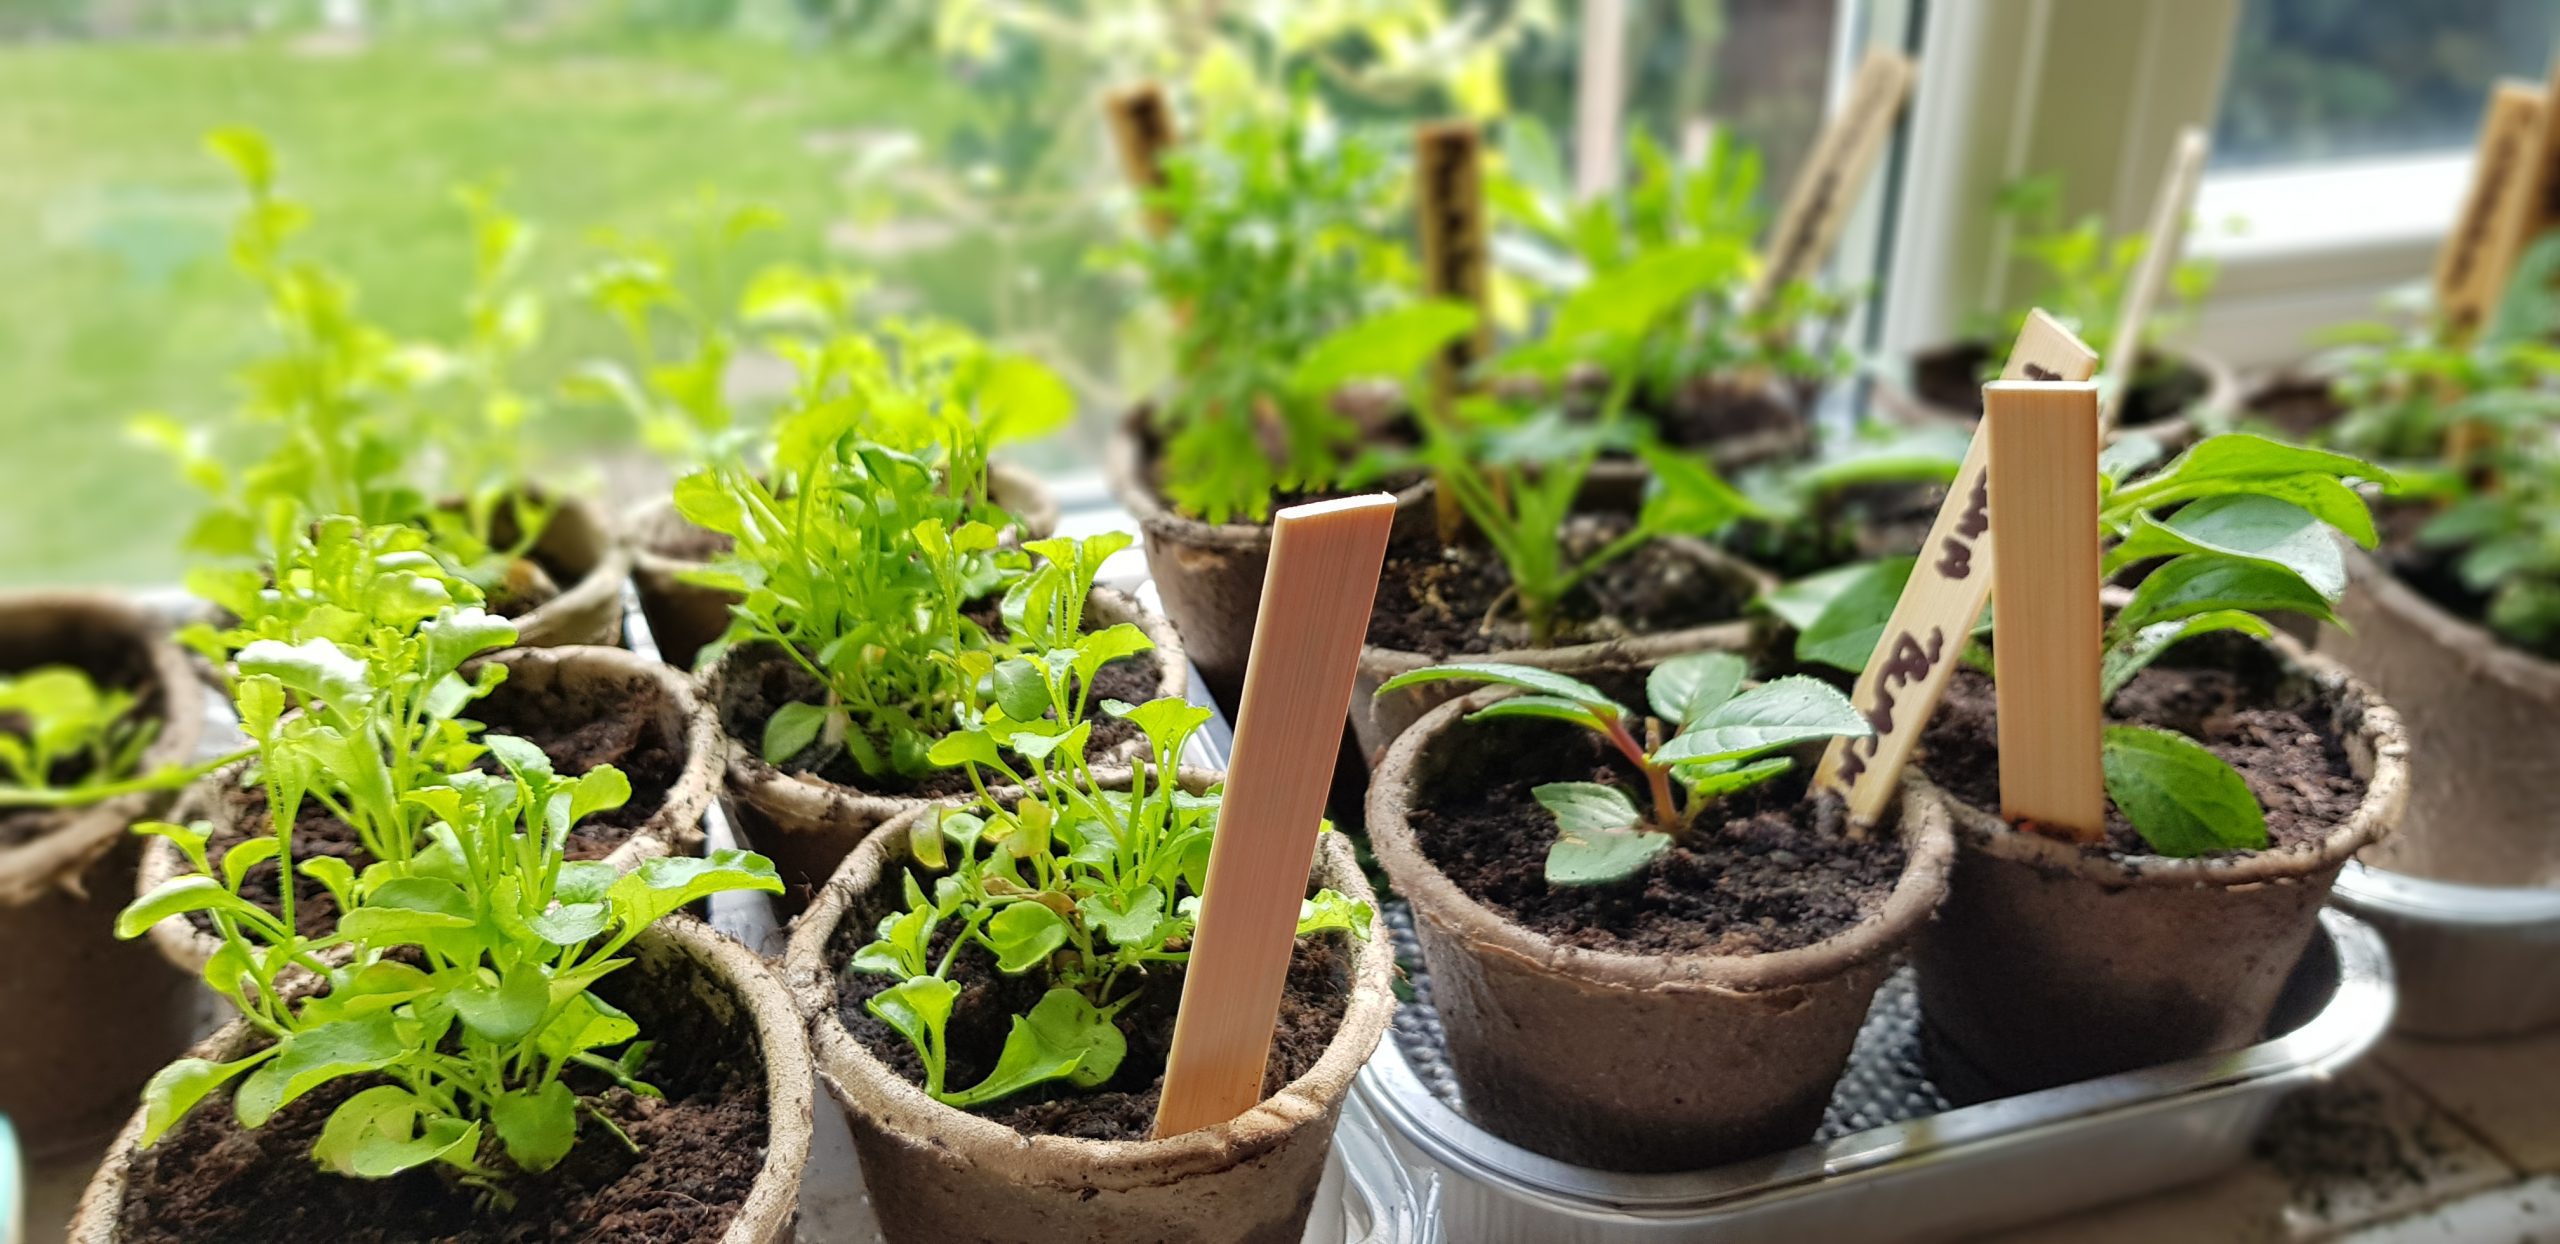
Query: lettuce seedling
[(1091, 887), (2081, 272), (463, 973), (1718, 744), (66, 742)]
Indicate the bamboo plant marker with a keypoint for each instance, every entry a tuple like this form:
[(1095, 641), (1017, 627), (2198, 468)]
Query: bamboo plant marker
[(1844, 156), (1316, 596), (1925, 637), (2538, 207), (2167, 237), (2467, 277), (1142, 130), (2044, 512), (1448, 167)]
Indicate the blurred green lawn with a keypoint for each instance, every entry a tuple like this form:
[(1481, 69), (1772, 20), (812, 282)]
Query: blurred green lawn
[(120, 298)]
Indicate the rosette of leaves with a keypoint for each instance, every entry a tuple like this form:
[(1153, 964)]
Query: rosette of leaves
[(344, 417), (1274, 241), (2080, 273), (2235, 528), (463, 975), (1702, 218), (1707, 738), (1090, 887)]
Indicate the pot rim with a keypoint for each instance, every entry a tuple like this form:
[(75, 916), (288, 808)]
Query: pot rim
[(766, 1210), (602, 582), (1732, 634), (2483, 653), (861, 1083), (1929, 845), (676, 829), (2386, 797), (73, 838), (2222, 389), (1124, 464), (810, 798)]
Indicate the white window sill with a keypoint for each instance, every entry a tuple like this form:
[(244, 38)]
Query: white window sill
[(2330, 208)]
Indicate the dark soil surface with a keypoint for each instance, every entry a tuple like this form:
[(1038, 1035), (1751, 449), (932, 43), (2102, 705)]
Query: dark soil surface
[(1705, 413), (2297, 408), (1952, 377), (632, 740), (1861, 523), (1766, 870), (211, 1182), (114, 666), (763, 678), (2289, 751), (1122, 1108), (1446, 601)]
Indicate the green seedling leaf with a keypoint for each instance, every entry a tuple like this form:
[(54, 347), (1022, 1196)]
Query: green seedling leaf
[(1166, 722), (507, 1010), (1715, 779), (537, 1127), (2183, 800), (1779, 713), (1020, 690), (1846, 630), (1546, 706), (1064, 1037), (1503, 674), (1024, 935), (2136, 652), (386, 1129), (311, 1057), (1686, 688), (790, 731), (668, 883), (1329, 911), (2193, 584), (969, 747), (1392, 345), (918, 1008), (1134, 925), (180, 895), (2264, 529), (175, 1089), (1596, 837)]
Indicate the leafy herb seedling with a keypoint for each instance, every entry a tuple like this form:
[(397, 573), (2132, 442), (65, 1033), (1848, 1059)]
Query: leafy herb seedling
[(464, 971), (1720, 737), (66, 742), (2083, 273), (1091, 887)]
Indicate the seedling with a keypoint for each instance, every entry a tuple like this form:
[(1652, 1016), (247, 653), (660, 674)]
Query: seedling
[(1719, 737), (66, 742), (2082, 274), (1091, 887), (466, 969)]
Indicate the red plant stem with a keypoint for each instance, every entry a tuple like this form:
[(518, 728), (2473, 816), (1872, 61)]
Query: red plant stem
[(1665, 818)]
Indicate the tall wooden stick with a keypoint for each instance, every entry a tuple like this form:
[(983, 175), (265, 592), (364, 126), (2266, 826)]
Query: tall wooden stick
[(1924, 640), (2045, 631), (1448, 168), (1316, 597), (1833, 177), (2467, 278), (2538, 208), (1142, 131), (2167, 237), (1600, 98)]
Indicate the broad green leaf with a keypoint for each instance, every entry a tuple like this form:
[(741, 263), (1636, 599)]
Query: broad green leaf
[(1020, 690), (311, 1057), (1778, 713), (457, 635), (175, 1089), (1685, 688), (1546, 706), (522, 758), (1598, 858), (2193, 584), (180, 895), (1392, 345), (963, 748), (1718, 778), (1166, 721), (1587, 807), (2135, 652), (1844, 634), (377, 1134), (1686, 496), (2181, 798), (1019, 399), (1064, 1037), (585, 1022), (1504, 674), (2265, 529), (1798, 602), (790, 731), (918, 1007), (245, 855), (315, 669), (507, 1011), (668, 883), (536, 1127), (1330, 910), (2127, 453), (1135, 925), (1024, 934), (704, 502), (1105, 646)]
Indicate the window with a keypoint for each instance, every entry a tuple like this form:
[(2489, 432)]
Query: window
[(2322, 80)]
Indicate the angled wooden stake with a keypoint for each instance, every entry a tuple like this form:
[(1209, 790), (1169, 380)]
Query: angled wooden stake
[(2167, 237), (1924, 641), (1142, 130), (2045, 630), (1844, 156), (1316, 596), (2467, 279)]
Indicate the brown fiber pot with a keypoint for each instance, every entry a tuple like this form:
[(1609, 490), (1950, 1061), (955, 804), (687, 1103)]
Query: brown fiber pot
[(684, 617), (1898, 395), (577, 676), (807, 825), (937, 1175), (2051, 964), (2483, 717), (1210, 576), (1637, 1062), (1377, 721), (579, 541), (728, 979), (87, 1018)]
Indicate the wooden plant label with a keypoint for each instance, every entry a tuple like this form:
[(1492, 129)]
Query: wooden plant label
[(2168, 235), (2467, 279), (2538, 205), (1316, 596), (1142, 130), (2046, 626), (1833, 176), (1924, 639), (1448, 167)]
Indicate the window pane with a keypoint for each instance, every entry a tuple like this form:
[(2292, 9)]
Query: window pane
[(2325, 79)]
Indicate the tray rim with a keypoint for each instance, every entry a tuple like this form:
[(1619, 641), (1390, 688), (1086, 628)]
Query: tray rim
[(2520, 911), (2356, 1016)]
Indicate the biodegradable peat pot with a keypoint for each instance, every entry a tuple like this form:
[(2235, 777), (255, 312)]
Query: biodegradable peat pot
[(944, 1176), (684, 617), (806, 823), (1625, 1061), (709, 1001), (584, 705), (2052, 963), (1210, 576), (2170, 404), (2483, 715), (88, 1018), (1376, 721), (579, 552)]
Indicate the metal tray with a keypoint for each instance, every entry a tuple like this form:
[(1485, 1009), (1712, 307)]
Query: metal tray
[(2474, 961), (1892, 1161)]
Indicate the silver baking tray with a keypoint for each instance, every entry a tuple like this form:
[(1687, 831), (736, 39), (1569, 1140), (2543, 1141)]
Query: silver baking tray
[(2474, 961), (1892, 1161)]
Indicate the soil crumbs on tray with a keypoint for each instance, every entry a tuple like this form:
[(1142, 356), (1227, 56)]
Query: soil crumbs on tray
[(2296, 766), (1448, 601), (1765, 870), (209, 1181), (1123, 1107)]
